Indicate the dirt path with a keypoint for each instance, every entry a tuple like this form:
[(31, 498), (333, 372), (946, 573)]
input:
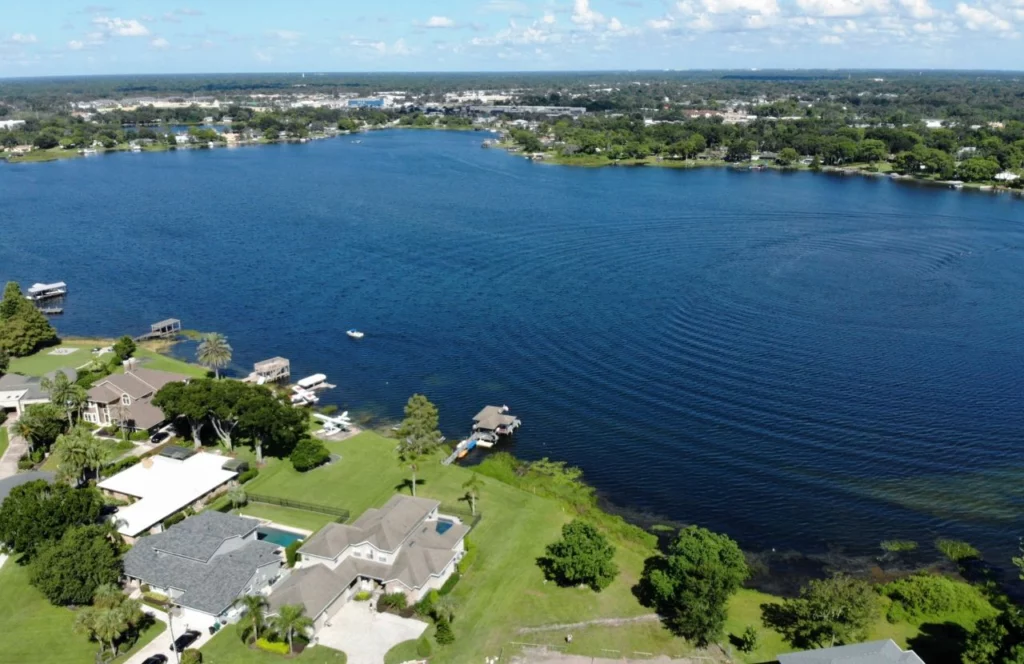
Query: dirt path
[(608, 622)]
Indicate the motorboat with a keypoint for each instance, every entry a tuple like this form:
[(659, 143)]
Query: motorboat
[(355, 334)]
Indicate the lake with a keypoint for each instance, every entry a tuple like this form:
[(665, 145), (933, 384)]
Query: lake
[(802, 361)]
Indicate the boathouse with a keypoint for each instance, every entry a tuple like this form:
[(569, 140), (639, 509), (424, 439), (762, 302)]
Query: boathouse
[(496, 420)]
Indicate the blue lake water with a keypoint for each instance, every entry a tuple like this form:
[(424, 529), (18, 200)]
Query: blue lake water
[(799, 360)]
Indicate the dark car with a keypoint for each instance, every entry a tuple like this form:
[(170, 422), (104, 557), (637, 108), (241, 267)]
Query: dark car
[(156, 659), (159, 437), (185, 640)]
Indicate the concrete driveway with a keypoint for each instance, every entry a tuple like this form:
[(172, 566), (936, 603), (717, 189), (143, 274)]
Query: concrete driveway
[(161, 645), (365, 635), (15, 450)]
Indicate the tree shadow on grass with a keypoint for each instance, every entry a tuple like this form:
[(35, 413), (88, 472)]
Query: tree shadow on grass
[(939, 643), (406, 484)]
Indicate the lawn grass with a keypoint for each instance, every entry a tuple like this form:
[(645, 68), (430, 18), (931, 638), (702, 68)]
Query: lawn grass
[(153, 360), (286, 516), (32, 630), (3, 440), (227, 648), (43, 363)]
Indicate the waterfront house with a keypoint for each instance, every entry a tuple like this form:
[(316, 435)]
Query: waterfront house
[(126, 399), (405, 546), (204, 564), (18, 392), (161, 485), (874, 652)]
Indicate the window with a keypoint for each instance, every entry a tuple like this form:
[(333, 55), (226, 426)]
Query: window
[(126, 400)]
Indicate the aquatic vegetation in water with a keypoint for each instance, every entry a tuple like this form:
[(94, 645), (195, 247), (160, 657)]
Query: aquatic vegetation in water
[(956, 550), (898, 546)]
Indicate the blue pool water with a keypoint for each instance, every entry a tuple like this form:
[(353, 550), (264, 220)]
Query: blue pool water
[(799, 360), (443, 526), (277, 536)]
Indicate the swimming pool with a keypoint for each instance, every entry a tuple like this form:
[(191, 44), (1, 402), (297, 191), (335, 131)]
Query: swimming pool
[(278, 536), (443, 526)]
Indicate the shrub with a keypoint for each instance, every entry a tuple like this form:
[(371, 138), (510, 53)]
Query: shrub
[(467, 561), (177, 517), (139, 436), (425, 606), (444, 634), (291, 553), (449, 584), (898, 546), (329, 409), (248, 475), (309, 454), (191, 656), (956, 550), (423, 648), (363, 596), (393, 601), (583, 556), (25, 463), (926, 596), (278, 648), (115, 468), (145, 588), (748, 640)]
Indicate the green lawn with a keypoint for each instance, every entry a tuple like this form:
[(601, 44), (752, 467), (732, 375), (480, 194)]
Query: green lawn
[(153, 360), (287, 516), (3, 440), (43, 362), (227, 648), (113, 452), (32, 630)]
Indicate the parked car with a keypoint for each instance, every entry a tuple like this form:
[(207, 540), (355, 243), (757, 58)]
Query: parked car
[(185, 640), (159, 437), (156, 659)]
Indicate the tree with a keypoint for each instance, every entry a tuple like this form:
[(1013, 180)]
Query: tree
[(748, 640), (214, 352), (23, 328), (187, 401), (290, 620), (443, 609), (418, 433), (225, 398), (5, 362), (192, 656), (309, 454), (787, 157), (237, 496), (582, 556), (872, 150), (443, 633), (828, 612), (691, 586), (64, 393), (472, 487), (978, 169), (255, 607), (37, 513), (76, 451), (111, 617), (996, 640), (70, 570), (124, 348), (271, 425), (40, 425)]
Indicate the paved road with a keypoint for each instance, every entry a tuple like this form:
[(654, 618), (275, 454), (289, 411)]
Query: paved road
[(15, 450), (162, 643)]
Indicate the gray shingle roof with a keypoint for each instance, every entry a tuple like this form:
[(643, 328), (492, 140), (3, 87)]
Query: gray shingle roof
[(874, 652), (183, 558), (31, 384), (385, 528), (316, 587), (426, 554), (9, 483)]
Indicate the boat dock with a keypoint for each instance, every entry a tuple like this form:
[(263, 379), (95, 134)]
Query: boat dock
[(39, 292), (304, 392), (165, 329), (489, 425), (273, 370), (51, 311)]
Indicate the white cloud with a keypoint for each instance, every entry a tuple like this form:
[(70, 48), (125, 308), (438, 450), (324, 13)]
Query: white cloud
[(702, 23), (76, 45), (980, 18), (583, 15), (841, 8), (262, 56), (538, 32), (762, 7), (549, 18), (924, 28), (439, 22), (615, 25), (383, 48), (830, 39), (505, 7), (664, 23), (121, 27), (286, 35), (160, 43), (917, 8), (23, 38)]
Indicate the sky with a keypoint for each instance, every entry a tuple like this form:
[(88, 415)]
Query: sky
[(65, 37)]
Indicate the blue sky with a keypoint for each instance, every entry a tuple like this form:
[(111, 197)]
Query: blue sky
[(64, 37)]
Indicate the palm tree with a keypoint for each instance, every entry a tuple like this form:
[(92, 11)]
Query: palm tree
[(78, 450), (25, 427), (472, 487), (444, 609), (64, 393), (255, 607), (292, 619), (214, 352), (237, 496)]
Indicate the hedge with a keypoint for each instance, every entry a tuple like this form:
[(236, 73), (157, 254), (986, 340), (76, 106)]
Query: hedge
[(309, 454), (449, 584), (275, 647), (248, 475), (291, 553)]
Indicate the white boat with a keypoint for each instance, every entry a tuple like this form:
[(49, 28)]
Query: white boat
[(355, 334)]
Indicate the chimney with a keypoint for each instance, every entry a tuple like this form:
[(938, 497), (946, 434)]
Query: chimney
[(130, 364)]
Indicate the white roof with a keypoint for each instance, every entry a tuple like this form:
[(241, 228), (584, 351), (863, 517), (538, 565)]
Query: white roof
[(45, 287), (163, 487), (310, 381)]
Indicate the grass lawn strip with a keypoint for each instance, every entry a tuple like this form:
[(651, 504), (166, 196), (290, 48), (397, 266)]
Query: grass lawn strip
[(227, 648), (286, 516), (3, 440)]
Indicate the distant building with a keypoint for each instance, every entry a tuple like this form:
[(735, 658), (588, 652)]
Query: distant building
[(10, 124), (377, 102), (18, 392), (573, 111), (1007, 176), (125, 399), (875, 652)]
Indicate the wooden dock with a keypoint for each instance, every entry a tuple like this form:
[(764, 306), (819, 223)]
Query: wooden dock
[(165, 329)]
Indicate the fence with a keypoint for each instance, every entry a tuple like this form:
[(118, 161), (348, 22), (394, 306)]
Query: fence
[(463, 512), (341, 515)]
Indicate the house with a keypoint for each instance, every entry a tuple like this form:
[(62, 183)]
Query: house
[(125, 399), (161, 485), (9, 483), (204, 564), (18, 392), (875, 652), (405, 546), (1006, 176)]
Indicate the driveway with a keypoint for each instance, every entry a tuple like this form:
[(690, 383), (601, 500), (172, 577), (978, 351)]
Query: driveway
[(161, 645), (365, 635), (15, 450)]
